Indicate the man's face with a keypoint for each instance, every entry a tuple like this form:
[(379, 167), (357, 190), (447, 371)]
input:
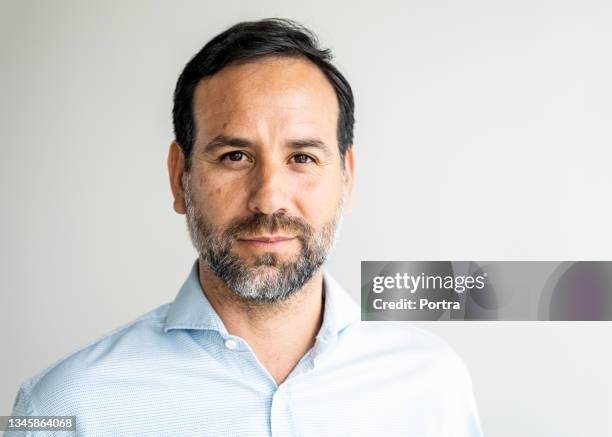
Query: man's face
[(266, 190)]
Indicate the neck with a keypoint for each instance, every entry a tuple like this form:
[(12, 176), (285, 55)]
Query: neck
[(279, 333)]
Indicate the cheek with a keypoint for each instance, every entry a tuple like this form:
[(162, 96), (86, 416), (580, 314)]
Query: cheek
[(218, 200), (318, 199)]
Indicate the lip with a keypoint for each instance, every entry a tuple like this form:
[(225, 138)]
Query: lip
[(267, 238), (267, 242)]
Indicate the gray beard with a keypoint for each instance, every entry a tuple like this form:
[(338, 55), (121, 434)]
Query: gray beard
[(269, 280)]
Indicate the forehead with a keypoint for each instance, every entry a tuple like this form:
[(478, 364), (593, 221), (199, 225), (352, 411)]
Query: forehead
[(285, 96)]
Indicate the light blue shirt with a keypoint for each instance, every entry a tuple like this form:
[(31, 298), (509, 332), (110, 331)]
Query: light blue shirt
[(176, 371)]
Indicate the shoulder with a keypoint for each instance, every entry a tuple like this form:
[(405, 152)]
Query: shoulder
[(395, 333), (412, 366), (405, 345), (52, 386)]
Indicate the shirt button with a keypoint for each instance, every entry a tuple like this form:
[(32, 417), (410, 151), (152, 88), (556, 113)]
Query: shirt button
[(230, 344)]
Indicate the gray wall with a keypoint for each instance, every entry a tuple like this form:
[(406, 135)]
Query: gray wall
[(483, 132)]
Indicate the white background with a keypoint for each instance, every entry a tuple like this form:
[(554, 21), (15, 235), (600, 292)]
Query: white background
[(483, 133)]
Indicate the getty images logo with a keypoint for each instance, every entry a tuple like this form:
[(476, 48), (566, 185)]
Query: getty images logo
[(414, 283)]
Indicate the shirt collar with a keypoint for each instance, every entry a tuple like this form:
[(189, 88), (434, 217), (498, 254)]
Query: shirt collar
[(192, 310)]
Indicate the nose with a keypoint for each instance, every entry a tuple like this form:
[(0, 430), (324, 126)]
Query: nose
[(269, 191)]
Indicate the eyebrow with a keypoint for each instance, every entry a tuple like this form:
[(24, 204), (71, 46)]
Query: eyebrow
[(221, 141), (225, 141)]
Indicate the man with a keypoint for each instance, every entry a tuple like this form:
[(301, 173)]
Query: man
[(260, 339)]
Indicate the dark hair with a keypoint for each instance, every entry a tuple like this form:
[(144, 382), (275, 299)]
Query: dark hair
[(251, 40)]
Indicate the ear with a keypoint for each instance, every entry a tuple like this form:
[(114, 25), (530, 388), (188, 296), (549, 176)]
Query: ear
[(176, 167), (349, 177)]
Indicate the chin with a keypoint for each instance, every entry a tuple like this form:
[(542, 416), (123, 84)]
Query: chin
[(269, 259)]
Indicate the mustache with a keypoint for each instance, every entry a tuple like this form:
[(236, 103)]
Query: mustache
[(270, 223)]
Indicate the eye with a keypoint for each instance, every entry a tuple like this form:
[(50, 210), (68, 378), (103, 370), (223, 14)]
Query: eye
[(235, 156), (301, 158)]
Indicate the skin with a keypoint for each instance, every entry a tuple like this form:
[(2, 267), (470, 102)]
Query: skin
[(274, 104)]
